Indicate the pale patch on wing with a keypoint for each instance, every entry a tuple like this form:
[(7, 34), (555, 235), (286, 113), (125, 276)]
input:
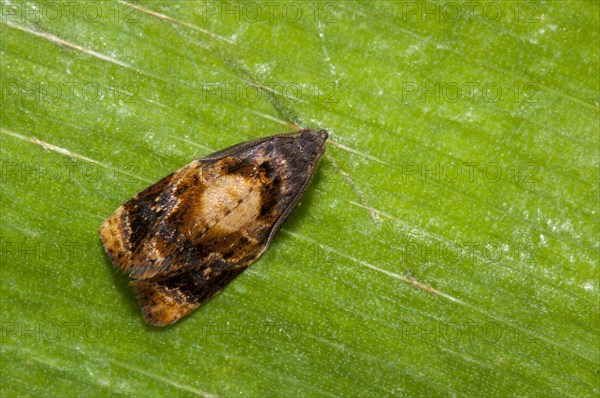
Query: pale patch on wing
[(231, 202)]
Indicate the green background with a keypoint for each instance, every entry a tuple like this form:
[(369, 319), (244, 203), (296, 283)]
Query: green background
[(448, 245)]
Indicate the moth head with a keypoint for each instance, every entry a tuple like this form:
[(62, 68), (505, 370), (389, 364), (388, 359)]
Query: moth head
[(313, 142)]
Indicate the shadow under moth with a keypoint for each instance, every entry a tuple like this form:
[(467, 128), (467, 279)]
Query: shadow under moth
[(187, 236)]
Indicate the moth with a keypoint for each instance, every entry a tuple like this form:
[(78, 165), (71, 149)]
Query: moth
[(187, 236)]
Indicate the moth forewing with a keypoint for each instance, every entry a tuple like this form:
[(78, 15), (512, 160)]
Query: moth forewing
[(185, 237)]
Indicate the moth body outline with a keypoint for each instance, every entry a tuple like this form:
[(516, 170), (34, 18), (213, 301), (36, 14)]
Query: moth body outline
[(188, 235)]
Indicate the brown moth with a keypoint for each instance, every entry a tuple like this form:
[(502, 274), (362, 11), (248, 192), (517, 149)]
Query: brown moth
[(187, 236)]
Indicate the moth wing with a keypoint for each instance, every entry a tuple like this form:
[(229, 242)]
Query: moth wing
[(191, 233), (162, 304), (164, 301), (129, 234), (166, 228), (242, 146)]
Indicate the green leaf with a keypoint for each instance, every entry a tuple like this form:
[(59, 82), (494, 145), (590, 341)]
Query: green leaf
[(448, 245)]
